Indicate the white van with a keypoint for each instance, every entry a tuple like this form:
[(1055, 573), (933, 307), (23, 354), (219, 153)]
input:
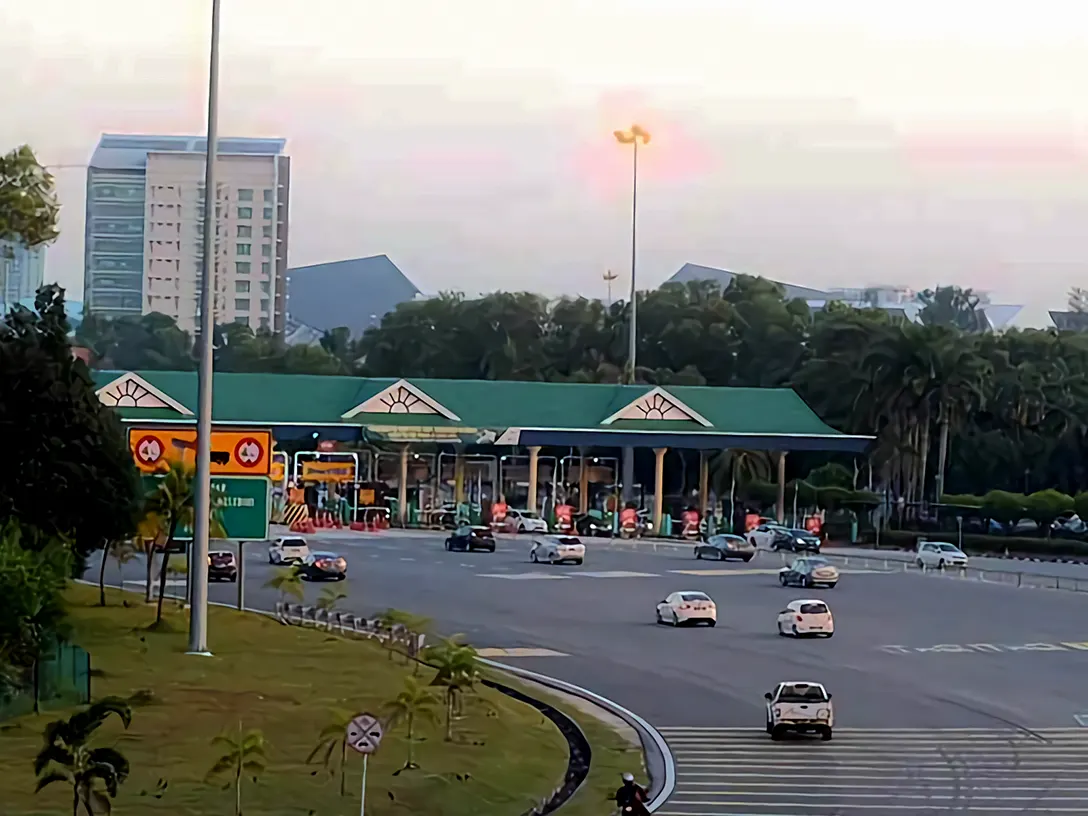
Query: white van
[(938, 555)]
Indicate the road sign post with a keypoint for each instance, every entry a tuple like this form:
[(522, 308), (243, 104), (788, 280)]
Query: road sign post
[(364, 734)]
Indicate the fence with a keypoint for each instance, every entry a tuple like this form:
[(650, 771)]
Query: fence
[(61, 678), (347, 623)]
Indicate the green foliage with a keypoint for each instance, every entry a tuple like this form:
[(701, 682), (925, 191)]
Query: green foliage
[(332, 746), (330, 598), (94, 774), (28, 201), (413, 704), (33, 573), (288, 582), (1004, 507), (1080, 505), (831, 475), (456, 670), (952, 307), (1046, 505), (75, 476), (962, 500), (245, 757)]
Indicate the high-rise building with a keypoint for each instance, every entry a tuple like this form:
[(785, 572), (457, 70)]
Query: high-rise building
[(145, 225), (22, 272)]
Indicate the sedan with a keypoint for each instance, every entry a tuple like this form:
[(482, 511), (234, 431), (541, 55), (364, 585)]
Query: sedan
[(284, 551), (809, 572), (524, 521), (323, 566), (590, 525), (763, 535), (806, 618), (724, 547), (467, 539), (795, 540), (687, 607), (557, 549), (222, 566)]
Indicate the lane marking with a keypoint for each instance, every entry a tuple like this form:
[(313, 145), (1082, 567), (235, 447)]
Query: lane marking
[(523, 576), (170, 582), (615, 574), (768, 572), (985, 648), (519, 652)]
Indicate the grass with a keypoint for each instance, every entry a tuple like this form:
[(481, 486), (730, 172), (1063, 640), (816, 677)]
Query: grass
[(286, 681)]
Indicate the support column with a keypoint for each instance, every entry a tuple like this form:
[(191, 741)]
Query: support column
[(583, 482), (659, 486), (534, 475), (627, 475), (704, 483), (459, 478), (780, 504), (402, 488)]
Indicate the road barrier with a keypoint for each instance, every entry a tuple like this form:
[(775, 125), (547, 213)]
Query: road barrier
[(347, 623), (295, 513)]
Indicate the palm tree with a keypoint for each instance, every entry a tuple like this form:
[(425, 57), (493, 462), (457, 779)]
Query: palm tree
[(287, 581), (120, 551), (414, 703), (412, 624), (333, 742), (456, 670), (330, 598), (244, 757), (94, 774), (172, 502)]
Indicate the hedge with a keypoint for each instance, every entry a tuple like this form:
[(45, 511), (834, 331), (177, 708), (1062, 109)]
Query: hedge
[(984, 544)]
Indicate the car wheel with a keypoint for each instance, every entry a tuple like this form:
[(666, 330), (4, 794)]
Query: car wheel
[(832, 586), (781, 631), (825, 735), (532, 557), (341, 577), (712, 623), (921, 564), (271, 560), (698, 554), (829, 634), (521, 528), (722, 556), (795, 632), (783, 580), (769, 726), (660, 620), (777, 732), (940, 564), (448, 545), (807, 583), (553, 559), (675, 619), (747, 558)]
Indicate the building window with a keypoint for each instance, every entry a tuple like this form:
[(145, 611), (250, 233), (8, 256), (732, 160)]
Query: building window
[(241, 304), (241, 287), (266, 231), (244, 212), (268, 197), (245, 231), (242, 268), (264, 323), (264, 307), (266, 250), (245, 194), (265, 287), (266, 268), (242, 249), (267, 213)]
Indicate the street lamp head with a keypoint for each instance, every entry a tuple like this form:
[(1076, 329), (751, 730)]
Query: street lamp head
[(634, 135)]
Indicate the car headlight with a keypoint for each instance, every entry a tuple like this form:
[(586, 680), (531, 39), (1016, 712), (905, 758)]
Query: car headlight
[(823, 713)]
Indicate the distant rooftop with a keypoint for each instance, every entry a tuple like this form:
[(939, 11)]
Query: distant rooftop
[(118, 151), (698, 272)]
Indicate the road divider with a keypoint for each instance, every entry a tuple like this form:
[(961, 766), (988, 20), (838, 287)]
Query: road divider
[(519, 652), (347, 623), (986, 648)]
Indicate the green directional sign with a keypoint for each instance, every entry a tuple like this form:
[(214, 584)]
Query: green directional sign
[(243, 503)]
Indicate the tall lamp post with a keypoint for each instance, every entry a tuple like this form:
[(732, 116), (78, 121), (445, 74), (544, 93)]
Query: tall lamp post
[(198, 569), (633, 136)]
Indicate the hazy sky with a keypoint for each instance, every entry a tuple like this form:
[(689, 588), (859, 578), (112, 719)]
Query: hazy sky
[(819, 142)]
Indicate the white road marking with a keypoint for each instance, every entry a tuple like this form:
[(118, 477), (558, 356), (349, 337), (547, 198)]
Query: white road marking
[(523, 576), (170, 582), (519, 652), (615, 574), (407, 559)]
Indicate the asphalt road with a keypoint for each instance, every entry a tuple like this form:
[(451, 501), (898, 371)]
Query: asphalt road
[(1008, 565), (913, 656)]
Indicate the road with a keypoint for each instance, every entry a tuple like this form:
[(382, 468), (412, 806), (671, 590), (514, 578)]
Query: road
[(913, 656), (1010, 565)]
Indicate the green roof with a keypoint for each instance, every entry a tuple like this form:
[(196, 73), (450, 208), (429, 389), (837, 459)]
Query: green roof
[(469, 405)]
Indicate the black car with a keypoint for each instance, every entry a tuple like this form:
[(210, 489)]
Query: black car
[(795, 540), (589, 525), (222, 566), (467, 539), (723, 547), (323, 566)]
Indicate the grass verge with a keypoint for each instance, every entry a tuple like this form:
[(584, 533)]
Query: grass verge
[(287, 681)]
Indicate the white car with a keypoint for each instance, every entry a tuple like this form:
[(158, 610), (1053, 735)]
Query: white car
[(687, 606), (524, 521), (557, 549), (806, 618), (799, 707), (938, 555), (763, 536), (284, 551)]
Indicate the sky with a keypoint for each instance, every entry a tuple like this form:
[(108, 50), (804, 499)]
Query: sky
[(830, 143)]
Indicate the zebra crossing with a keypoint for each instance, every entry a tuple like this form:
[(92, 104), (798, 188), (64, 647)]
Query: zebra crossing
[(985, 772)]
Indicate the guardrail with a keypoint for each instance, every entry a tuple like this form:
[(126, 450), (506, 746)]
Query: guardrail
[(347, 623), (1029, 580)]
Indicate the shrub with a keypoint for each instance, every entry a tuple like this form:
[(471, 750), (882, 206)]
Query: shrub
[(1045, 506), (1003, 506)]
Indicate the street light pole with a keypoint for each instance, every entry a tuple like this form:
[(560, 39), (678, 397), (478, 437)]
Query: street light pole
[(198, 567), (633, 137)]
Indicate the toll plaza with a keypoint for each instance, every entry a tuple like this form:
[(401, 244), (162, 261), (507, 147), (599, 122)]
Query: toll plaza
[(424, 452)]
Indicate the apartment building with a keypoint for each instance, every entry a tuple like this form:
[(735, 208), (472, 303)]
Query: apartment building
[(22, 272), (144, 247)]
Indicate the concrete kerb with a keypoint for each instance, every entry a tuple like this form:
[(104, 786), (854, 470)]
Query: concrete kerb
[(659, 760)]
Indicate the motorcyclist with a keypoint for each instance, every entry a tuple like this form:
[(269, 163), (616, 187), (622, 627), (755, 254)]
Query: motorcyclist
[(632, 795)]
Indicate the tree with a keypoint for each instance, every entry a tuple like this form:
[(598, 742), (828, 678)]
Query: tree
[(288, 582), (332, 746), (412, 704), (121, 552), (94, 774), (76, 477), (952, 307), (172, 502), (245, 757), (456, 671), (28, 200), (330, 598)]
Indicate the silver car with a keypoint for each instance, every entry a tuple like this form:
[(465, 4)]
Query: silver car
[(557, 549)]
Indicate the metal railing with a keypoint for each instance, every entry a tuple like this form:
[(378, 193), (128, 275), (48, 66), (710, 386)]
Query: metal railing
[(347, 623)]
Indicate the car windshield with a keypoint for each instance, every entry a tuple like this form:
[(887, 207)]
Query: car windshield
[(293, 542), (567, 541), (728, 539), (813, 609), (801, 693), (949, 548), (694, 596), (528, 514), (817, 562), (801, 533)]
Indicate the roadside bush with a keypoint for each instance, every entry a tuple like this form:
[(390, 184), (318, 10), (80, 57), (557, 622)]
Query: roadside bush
[(1004, 507), (961, 500), (1080, 505), (1045, 506)]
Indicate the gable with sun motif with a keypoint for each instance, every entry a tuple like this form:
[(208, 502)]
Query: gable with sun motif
[(657, 404), (401, 398), (133, 391)]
